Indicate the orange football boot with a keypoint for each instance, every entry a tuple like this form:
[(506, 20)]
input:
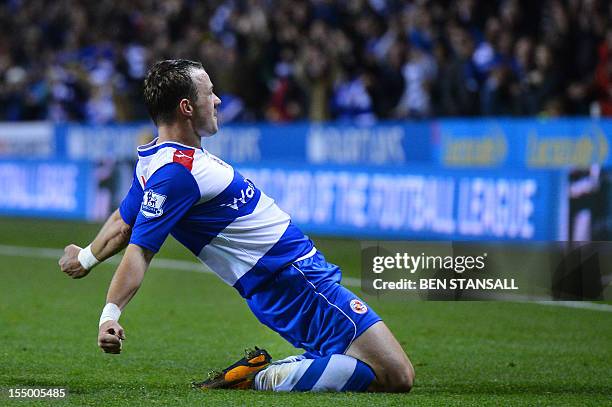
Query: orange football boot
[(240, 375)]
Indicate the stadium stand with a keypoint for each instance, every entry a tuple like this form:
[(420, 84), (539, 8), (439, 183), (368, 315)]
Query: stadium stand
[(291, 60)]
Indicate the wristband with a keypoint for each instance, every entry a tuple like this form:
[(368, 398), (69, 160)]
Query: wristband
[(87, 259), (111, 312)]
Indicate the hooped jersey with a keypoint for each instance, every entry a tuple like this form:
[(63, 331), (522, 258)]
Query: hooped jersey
[(220, 216)]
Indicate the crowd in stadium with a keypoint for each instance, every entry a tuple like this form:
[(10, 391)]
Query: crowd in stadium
[(290, 60)]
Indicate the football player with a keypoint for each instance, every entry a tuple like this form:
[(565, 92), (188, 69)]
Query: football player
[(240, 233)]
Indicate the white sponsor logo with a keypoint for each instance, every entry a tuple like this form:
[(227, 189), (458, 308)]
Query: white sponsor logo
[(358, 306), (245, 195), (180, 154), (152, 203)]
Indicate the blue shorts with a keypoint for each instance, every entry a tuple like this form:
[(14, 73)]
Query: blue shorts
[(307, 306)]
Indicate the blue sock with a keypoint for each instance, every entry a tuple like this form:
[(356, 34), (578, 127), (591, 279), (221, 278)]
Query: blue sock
[(330, 373)]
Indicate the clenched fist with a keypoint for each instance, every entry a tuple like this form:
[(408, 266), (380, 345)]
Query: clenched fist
[(110, 336), (70, 264)]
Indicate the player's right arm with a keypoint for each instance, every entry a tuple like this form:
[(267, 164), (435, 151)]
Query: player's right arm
[(170, 193), (114, 236), (123, 287)]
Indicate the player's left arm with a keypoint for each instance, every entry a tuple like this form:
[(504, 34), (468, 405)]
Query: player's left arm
[(111, 239), (114, 236)]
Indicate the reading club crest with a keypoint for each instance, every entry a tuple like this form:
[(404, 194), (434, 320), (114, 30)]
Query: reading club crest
[(358, 306), (152, 203)]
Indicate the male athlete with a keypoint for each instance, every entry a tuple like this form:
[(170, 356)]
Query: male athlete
[(249, 242)]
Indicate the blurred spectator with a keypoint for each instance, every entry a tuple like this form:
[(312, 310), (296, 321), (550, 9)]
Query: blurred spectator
[(603, 76), (288, 60), (313, 71), (351, 100), (457, 83), (542, 83), (419, 72), (286, 99)]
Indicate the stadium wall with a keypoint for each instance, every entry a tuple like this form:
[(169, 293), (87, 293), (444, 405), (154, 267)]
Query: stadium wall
[(441, 179)]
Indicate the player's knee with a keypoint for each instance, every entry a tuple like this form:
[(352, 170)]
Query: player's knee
[(406, 380), (400, 379)]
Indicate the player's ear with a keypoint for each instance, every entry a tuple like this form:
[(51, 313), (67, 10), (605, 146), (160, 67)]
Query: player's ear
[(185, 107)]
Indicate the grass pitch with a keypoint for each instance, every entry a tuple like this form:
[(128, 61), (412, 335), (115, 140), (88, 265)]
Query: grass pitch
[(182, 324)]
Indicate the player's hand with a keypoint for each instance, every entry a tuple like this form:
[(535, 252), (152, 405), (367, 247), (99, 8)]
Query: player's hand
[(70, 264), (110, 336)]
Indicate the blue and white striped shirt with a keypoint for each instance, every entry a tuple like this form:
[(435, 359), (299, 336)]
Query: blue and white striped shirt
[(230, 225)]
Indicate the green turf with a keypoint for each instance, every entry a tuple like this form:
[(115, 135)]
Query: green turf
[(181, 324)]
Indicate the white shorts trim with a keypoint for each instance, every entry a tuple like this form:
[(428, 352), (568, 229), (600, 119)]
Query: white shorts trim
[(307, 255)]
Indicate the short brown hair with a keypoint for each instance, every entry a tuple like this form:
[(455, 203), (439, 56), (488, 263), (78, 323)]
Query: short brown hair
[(166, 83)]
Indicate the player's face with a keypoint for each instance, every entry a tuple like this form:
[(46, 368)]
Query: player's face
[(205, 112)]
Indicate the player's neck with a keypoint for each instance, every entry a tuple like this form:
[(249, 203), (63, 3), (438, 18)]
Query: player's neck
[(179, 132)]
